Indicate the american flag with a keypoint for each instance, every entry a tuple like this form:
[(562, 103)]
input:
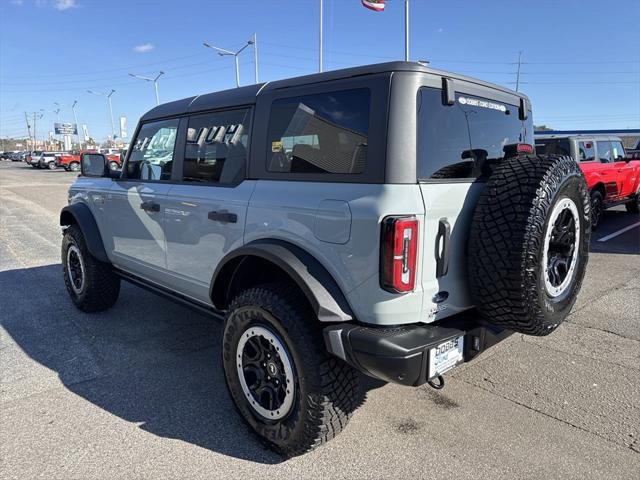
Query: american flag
[(375, 5)]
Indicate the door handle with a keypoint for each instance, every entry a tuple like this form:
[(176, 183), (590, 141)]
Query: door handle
[(442, 251), (223, 217), (150, 206)]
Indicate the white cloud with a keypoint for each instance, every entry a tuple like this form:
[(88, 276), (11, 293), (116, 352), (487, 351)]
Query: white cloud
[(143, 47), (65, 4)]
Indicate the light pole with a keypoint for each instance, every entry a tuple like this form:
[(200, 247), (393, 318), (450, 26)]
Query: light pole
[(154, 80), (320, 41), (222, 52), (255, 55), (57, 112), (113, 132), (406, 30)]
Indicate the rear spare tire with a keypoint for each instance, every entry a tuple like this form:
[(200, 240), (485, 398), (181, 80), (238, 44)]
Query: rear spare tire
[(529, 243)]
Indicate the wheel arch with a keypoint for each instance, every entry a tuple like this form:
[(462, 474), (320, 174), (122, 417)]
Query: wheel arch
[(599, 187), (80, 214), (264, 261)]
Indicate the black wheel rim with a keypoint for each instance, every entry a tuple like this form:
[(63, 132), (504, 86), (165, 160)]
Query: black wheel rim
[(561, 247), (75, 269), (596, 211), (266, 372)]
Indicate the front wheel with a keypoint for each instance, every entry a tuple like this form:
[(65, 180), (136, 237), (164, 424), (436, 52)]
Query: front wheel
[(91, 284), (74, 166), (113, 166), (597, 208), (286, 386), (51, 165)]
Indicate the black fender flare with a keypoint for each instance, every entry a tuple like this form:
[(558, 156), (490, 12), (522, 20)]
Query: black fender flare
[(321, 290), (80, 214)]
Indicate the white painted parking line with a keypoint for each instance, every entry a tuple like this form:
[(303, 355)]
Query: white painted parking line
[(619, 232)]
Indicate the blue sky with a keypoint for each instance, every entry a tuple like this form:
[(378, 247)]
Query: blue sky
[(581, 57)]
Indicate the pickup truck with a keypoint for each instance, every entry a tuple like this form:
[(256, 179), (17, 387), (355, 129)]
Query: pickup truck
[(71, 162), (612, 176)]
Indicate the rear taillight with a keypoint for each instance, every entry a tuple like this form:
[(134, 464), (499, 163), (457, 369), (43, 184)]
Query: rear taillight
[(398, 253)]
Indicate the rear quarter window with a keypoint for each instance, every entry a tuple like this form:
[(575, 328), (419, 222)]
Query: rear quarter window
[(325, 133), (553, 146), (461, 141)]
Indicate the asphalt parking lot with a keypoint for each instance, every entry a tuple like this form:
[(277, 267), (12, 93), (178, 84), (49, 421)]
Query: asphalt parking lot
[(138, 391)]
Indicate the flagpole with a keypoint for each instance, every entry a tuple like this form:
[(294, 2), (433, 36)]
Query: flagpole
[(406, 30), (320, 42)]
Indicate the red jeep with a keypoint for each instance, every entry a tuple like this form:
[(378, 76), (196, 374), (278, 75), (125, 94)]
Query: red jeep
[(71, 162), (612, 178)]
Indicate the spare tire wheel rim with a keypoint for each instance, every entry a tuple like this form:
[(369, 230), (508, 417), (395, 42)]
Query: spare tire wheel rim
[(75, 269), (561, 244), (265, 371)]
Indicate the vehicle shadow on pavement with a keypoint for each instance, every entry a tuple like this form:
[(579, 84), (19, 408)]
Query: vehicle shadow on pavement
[(146, 360)]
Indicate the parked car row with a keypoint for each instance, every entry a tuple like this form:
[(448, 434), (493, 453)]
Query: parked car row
[(14, 156), (612, 175), (70, 161)]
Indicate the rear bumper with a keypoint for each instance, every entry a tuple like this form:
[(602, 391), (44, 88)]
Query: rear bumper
[(401, 354)]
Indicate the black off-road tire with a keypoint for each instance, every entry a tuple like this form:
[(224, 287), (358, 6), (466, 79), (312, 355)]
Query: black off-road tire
[(100, 286), (634, 205), (326, 389), (507, 242), (597, 209)]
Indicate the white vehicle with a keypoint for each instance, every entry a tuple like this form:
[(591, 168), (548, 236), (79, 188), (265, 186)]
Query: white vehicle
[(48, 160), (388, 219)]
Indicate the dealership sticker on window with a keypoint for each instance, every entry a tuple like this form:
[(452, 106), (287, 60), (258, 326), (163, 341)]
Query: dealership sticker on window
[(474, 102), (276, 146)]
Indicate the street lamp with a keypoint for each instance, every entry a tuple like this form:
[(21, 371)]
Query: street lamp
[(222, 52), (113, 132), (154, 80)]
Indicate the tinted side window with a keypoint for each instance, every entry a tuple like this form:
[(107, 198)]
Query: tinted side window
[(152, 152), (617, 151), (553, 146), (604, 151), (461, 140), (216, 147), (587, 151), (323, 133)]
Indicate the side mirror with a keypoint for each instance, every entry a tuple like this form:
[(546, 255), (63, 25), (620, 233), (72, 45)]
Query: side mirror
[(93, 165)]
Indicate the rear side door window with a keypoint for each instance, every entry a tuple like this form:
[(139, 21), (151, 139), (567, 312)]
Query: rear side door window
[(326, 133), (216, 147), (586, 151), (152, 153)]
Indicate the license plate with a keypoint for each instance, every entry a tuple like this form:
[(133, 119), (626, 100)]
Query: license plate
[(446, 356)]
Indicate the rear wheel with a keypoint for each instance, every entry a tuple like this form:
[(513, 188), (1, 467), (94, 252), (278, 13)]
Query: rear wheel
[(91, 284), (74, 166), (113, 166), (597, 208), (529, 243), (286, 386), (51, 165), (634, 205)]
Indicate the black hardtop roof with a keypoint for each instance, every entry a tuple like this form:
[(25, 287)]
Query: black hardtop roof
[(247, 95)]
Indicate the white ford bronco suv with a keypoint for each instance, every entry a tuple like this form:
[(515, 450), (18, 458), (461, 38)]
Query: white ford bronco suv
[(389, 219)]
